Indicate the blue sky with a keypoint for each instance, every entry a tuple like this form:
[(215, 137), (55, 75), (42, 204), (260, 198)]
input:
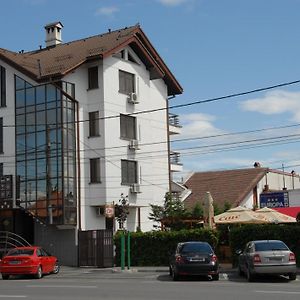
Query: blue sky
[(214, 48)]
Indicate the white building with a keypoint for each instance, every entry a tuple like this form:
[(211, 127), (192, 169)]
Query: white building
[(80, 124)]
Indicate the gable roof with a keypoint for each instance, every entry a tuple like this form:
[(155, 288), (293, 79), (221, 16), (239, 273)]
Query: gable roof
[(55, 62), (230, 186)]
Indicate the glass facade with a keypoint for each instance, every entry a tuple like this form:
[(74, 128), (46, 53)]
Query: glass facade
[(46, 150)]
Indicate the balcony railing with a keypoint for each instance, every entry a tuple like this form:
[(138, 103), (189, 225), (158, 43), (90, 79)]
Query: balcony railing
[(175, 158), (174, 120)]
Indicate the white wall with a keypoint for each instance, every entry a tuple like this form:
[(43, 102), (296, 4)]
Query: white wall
[(151, 128)]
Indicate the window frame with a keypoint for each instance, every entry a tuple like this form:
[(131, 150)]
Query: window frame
[(126, 167), (93, 78), (95, 170), (94, 124), (126, 82), (125, 128), (2, 86)]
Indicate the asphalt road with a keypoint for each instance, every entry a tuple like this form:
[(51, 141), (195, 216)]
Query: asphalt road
[(88, 284)]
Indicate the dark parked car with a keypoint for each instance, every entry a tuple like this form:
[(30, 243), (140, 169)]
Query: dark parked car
[(28, 261), (194, 258), (267, 257)]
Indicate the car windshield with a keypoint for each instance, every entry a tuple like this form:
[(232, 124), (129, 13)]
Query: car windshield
[(196, 247), (17, 252), (270, 246)]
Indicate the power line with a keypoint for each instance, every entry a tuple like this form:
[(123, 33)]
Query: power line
[(234, 95)]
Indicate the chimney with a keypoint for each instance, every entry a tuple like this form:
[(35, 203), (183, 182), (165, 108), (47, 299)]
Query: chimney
[(53, 34), (257, 164)]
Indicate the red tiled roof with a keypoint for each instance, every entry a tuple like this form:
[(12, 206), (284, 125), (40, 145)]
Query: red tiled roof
[(230, 186), (58, 61)]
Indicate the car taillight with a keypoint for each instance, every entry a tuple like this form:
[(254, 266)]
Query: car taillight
[(292, 257), (179, 259), (256, 259), (214, 258)]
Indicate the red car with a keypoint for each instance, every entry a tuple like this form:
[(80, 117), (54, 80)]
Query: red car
[(28, 261)]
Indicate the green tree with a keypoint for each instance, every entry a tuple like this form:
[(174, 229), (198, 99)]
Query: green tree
[(197, 211), (172, 212)]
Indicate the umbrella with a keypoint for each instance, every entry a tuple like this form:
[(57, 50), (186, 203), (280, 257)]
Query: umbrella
[(208, 211), (275, 216), (240, 215)]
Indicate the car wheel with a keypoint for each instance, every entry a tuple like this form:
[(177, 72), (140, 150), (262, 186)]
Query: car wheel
[(56, 268), (175, 276), (292, 276), (250, 276), (5, 276), (39, 273), (215, 277)]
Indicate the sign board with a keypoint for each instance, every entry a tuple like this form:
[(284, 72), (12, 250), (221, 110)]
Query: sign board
[(6, 187), (109, 211), (274, 200)]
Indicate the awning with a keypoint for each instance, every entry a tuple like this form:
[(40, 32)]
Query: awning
[(289, 211)]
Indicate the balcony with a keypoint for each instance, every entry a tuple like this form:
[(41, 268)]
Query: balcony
[(174, 126), (175, 164)]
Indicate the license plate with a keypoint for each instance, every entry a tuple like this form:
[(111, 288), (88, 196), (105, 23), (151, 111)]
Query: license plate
[(14, 262), (197, 259)]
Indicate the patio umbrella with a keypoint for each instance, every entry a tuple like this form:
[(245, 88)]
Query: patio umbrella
[(208, 211), (275, 216), (240, 215)]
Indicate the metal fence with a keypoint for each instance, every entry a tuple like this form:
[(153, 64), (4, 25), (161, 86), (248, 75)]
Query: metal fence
[(96, 248)]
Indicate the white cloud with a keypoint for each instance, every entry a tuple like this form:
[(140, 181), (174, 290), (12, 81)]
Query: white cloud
[(172, 2), (275, 102), (107, 11), (197, 125)]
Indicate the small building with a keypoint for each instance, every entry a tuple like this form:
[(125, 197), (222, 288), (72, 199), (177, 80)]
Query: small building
[(240, 187)]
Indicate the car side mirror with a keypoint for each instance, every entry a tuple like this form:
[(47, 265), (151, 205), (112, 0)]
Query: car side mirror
[(239, 252)]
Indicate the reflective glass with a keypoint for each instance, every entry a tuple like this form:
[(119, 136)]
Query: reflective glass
[(30, 96), (40, 94), (51, 92), (20, 98), (20, 83)]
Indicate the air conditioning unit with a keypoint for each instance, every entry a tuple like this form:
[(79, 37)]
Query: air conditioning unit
[(135, 188), (99, 211), (133, 98), (133, 145)]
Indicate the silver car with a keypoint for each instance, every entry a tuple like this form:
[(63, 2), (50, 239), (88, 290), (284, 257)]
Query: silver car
[(267, 257)]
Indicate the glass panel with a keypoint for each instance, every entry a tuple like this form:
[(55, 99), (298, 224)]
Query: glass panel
[(41, 168), (20, 124), (30, 96), (41, 189), (21, 171), (20, 83), (51, 117), (20, 98), (40, 94), (30, 141), (30, 122), (20, 143), (51, 92), (31, 169), (40, 120)]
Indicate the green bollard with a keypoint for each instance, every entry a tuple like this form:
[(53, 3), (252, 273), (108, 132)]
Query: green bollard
[(128, 251), (122, 251)]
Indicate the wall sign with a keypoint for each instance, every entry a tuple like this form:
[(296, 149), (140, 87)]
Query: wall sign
[(273, 200)]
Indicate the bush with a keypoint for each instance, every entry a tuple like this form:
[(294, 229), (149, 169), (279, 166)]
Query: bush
[(154, 248)]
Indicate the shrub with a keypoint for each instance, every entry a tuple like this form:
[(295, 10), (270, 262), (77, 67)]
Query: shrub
[(154, 248)]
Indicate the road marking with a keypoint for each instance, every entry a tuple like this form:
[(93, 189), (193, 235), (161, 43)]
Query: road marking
[(13, 296), (278, 292), (64, 286)]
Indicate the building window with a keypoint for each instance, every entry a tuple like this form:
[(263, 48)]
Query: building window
[(128, 127), (1, 135), (1, 169), (126, 82), (2, 87), (93, 78), (95, 170), (129, 171), (94, 123)]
